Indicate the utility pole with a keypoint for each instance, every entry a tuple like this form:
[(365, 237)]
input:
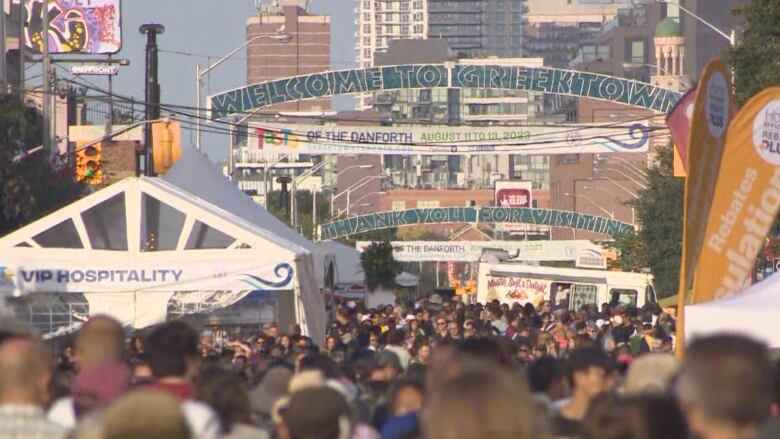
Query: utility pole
[(152, 90), (22, 43), (46, 86)]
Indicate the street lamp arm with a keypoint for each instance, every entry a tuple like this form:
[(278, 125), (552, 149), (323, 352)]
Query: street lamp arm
[(591, 201), (637, 182), (629, 192), (703, 21), (205, 71)]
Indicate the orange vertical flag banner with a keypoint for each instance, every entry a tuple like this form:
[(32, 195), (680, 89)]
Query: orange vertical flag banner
[(713, 110), (747, 198)]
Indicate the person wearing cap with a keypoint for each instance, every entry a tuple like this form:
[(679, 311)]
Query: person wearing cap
[(146, 413), (589, 373), (413, 325), (271, 389), (315, 413)]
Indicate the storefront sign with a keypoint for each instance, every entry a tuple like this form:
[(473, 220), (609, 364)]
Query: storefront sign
[(94, 69)]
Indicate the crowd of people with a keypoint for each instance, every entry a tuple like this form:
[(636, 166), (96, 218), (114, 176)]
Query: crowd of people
[(435, 369)]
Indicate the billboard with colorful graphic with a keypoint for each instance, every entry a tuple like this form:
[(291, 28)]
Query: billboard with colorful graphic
[(75, 26)]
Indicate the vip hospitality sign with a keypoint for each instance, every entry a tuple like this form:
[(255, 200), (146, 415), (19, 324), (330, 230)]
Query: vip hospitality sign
[(544, 217), (436, 140), (26, 277), (415, 76), (471, 251)]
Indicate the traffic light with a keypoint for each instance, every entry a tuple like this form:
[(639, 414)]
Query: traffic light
[(166, 145), (89, 163)]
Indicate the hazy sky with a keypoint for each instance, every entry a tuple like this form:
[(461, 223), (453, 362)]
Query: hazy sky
[(206, 27)]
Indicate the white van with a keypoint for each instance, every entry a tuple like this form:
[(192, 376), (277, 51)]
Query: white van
[(511, 282)]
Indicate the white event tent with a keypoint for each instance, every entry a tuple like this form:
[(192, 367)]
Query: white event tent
[(754, 312), (350, 280), (141, 244)]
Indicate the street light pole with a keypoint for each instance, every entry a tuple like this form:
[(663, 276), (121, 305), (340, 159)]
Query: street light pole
[(200, 73), (46, 126), (265, 177), (591, 201), (348, 168), (152, 90), (641, 175), (628, 163), (630, 65), (732, 38), (633, 214), (609, 179), (638, 183)]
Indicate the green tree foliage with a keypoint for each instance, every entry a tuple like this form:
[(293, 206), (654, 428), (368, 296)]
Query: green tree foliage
[(304, 200), (379, 266), (756, 58), (29, 188), (658, 244), (756, 63)]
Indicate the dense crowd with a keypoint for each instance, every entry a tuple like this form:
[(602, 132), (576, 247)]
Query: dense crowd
[(436, 369)]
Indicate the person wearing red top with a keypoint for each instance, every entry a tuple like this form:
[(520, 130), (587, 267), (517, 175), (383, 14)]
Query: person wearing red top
[(174, 357)]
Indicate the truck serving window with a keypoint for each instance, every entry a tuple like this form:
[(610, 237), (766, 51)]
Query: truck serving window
[(623, 296), (582, 295)]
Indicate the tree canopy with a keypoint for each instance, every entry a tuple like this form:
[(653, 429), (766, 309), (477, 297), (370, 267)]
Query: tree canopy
[(30, 187), (658, 243)]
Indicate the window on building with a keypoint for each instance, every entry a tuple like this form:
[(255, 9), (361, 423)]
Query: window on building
[(404, 18), (380, 30), (636, 52), (427, 204), (405, 5), (366, 41), (418, 5), (367, 4), (367, 16), (398, 205), (366, 53), (390, 18), (418, 28), (405, 31), (418, 16), (569, 159), (366, 28)]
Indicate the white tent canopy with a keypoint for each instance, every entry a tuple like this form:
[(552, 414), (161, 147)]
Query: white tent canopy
[(130, 247), (349, 270), (754, 312), (195, 174)]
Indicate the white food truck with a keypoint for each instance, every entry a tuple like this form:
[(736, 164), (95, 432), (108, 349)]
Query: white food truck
[(513, 282)]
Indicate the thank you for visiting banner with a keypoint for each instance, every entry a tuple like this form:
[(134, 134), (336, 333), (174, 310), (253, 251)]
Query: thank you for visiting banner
[(745, 202)]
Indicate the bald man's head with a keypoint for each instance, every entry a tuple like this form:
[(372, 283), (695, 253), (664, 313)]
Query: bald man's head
[(100, 340), (25, 372)]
